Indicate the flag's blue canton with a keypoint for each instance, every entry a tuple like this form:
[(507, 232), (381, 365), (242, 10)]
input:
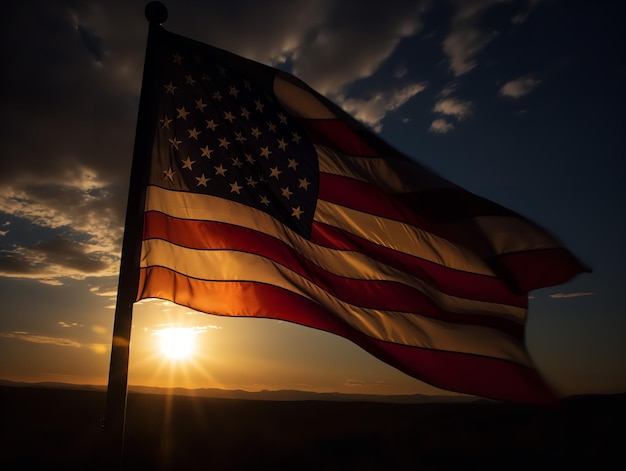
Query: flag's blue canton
[(229, 137)]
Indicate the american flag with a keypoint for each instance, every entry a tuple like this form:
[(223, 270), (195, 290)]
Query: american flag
[(267, 200)]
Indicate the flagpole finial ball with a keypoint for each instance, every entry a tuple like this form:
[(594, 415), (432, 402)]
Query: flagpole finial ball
[(156, 13)]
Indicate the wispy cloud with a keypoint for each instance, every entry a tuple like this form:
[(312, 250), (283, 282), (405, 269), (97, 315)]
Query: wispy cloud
[(521, 16), (441, 126), (570, 295), (372, 111), (355, 383), (451, 106), (43, 339), (520, 86), (466, 39), (55, 341), (336, 52), (68, 325)]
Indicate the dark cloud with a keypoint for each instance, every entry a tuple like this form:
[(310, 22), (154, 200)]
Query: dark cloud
[(91, 42), (12, 264), (70, 254)]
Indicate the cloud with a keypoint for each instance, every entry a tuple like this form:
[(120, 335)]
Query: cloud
[(569, 295), (450, 106), (56, 341), (520, 86), (83, 218), (51, 259), (441, 126), (338, 52), (521, 16), (91, 42), (373, 110), (67, 325), (466, 39), (43, 339), (354, 383)]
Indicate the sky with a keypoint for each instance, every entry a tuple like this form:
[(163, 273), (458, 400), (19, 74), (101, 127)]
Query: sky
[(521, 102)]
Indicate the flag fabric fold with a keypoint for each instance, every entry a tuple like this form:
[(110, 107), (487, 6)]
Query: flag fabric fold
[(264, 199)]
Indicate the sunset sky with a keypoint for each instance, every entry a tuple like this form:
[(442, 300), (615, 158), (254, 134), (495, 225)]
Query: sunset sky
[(521, 102)]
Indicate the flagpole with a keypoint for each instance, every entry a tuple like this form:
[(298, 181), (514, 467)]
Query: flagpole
[(114, 424)]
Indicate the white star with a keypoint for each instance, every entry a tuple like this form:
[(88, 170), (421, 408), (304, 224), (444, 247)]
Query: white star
[(165, 122), (169, 88), (282, 145), (220, 170), (292, 163), (304, 183), (251, 181), (217, 96), (193, 133), (258, 105), (188, 163), (245, 113), (282, 118), (236, 162), (286, 193), (175, 143), (202, 180), (182, 113), (296, 212), (177, 58), (271, 126), (296, 137), (210, 124), (239, 136), (169, 173), (200, 105), (265, 152), (233, 91), (274, 172), (255, 132), (265, 201), (206, 152), (235, 188), (223, 142), (228, 116), (189, 80)]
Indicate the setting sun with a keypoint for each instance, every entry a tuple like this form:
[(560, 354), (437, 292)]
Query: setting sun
[(176, 343)]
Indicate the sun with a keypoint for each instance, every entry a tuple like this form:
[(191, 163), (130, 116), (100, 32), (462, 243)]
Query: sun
[(177, 343)]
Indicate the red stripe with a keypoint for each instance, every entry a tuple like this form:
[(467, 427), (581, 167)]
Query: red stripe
[(541, 268), (465, 373), (370, 294)]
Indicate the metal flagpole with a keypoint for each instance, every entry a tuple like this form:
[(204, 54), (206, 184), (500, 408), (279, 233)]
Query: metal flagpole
[(156, 14)]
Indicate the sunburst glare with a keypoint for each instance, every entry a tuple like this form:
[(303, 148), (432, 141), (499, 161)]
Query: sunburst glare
[(176, 343)]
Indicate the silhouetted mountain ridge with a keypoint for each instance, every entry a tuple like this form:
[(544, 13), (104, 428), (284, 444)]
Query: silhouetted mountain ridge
[(263, 395)]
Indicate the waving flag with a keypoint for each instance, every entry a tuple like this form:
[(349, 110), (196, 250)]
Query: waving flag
[(264, 199)]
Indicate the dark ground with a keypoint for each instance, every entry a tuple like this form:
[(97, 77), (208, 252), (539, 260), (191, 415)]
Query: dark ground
[(50, 429)]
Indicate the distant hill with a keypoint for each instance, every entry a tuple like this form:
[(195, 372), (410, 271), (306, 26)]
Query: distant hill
[(265, 395)]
